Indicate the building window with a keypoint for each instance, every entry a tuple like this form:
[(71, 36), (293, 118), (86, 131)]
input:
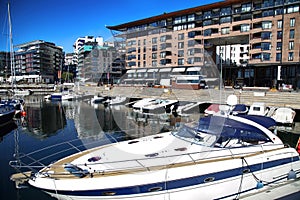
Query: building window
[(154, 40), (154, 47), (163, 54), (190, 61), (180, 61), (154, 63), (245, 27), (225, 31), (291, 45), (207, 15), (292, 22), (180, 45), (191, 34), (197, 59), (190, 52), (191, 43), (291, 56), (225, 20), (154, 56), (180, 53), (163, 38), (246, 7), (191, 17), (279, 46), (278, 56), (279, 34), (207, 22), (266, 35), (207, 32), (268, 13), (293, 9), (181, 36), (179, 20), (180, 27), (191, 26), (225, 11), (266, 25), (278, 11), (265, 46), (266, 56), (292, 34)]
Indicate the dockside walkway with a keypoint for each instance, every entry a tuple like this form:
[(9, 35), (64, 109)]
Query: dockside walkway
[(269, 97)]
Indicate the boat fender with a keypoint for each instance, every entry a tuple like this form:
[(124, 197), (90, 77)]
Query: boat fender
[(259, 184), (292, 175), (298, 146), (23, 113)]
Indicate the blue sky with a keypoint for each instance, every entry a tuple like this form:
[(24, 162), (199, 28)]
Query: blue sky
[(63, 21)]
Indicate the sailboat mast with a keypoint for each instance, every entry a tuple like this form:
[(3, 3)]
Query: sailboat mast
[(12, 57)]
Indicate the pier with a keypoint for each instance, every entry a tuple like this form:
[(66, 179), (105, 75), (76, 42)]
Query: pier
[(247, 97)]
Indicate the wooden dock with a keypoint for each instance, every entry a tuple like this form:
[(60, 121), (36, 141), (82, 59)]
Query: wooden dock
[(269, 97)]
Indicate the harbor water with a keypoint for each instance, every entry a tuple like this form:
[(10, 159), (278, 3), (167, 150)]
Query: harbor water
[(48, 130)]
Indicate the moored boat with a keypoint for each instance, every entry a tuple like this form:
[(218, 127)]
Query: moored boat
[(284, 115), (220, 157), (115, 101), (159, 106), (7, 112)]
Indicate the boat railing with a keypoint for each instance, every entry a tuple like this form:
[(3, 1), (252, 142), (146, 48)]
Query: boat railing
[(41, 158)]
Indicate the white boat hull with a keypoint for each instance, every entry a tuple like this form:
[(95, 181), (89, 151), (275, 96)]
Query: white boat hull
[(189, 163), (209, 180), (214, 190)]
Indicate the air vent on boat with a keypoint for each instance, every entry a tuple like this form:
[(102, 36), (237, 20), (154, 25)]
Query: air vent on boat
[(157, 137), (132, 142), (108, 193), (209, 179), (155, 189), (151, 155), (181, 149)]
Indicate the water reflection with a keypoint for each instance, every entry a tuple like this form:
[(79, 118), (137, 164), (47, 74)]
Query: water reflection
[(107, 122), (43, 120), (7, 128)]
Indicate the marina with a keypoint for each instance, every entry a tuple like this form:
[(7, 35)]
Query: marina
[(86, 125)]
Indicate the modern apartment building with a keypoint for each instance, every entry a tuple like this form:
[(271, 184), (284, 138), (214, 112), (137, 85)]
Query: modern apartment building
[(97, 63), (38, 61), (194, 37)]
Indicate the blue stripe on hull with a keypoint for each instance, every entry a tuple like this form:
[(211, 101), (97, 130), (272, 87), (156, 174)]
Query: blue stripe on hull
[(180, 183)]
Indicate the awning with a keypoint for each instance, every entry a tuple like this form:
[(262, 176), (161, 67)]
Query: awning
[(152, 70), (150, 79), (141, 70), (165, 70), (194, 69), (131, 71), (180, 69), (128, 79)]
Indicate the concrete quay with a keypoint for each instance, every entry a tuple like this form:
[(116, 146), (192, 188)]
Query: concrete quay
[(247, 97)]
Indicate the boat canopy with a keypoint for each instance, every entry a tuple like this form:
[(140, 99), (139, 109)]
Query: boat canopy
[(266, 122), (226, 128)]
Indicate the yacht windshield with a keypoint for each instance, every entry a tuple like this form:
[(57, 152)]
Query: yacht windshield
[(192, 135)]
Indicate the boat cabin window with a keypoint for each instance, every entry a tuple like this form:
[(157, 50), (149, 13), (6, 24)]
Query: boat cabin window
[(256, 108)]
